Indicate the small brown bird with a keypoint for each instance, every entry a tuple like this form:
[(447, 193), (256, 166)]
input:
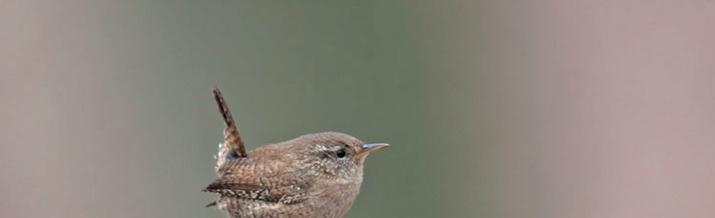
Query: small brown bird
[(314, 175)]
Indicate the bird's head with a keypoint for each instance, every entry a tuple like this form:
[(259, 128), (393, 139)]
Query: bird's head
[(335, 154)]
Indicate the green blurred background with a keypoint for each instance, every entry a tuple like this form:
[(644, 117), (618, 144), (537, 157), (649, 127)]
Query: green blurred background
[(495, 108)]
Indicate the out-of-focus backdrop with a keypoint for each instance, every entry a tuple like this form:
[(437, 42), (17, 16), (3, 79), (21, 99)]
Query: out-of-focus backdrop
[(550, 108)]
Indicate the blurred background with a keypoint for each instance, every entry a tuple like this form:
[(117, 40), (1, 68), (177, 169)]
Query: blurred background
[(509, 108)]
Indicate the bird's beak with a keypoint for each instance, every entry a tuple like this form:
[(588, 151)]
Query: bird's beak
[(370, 148)]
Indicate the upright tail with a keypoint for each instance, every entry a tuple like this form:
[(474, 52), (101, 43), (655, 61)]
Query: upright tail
[(231, 137)]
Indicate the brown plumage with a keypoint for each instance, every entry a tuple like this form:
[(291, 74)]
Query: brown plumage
[(314, 175)]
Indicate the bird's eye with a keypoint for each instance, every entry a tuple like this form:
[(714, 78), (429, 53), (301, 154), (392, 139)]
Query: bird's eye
[(340, 153)]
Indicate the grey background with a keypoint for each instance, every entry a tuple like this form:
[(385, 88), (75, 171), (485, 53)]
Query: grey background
[(495, 108)]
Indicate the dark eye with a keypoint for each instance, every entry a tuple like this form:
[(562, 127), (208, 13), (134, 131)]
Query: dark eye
[(340, 153)]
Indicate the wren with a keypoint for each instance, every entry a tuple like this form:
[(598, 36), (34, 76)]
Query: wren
[(314, 175)]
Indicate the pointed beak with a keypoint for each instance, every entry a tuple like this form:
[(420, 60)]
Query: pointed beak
[(374, 146), (370, 148)]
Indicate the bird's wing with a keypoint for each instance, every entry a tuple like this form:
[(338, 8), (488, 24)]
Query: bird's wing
[(245, 178), (237, 165)]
